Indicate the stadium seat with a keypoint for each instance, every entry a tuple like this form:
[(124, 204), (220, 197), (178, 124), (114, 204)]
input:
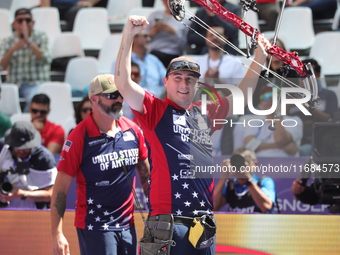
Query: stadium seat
[(91, 24), (47, 20), (9, 101)]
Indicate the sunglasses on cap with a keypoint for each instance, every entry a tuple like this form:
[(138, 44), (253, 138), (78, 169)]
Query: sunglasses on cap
[(20, 20), (266, 96), (183, 66), (42, 112), (86, 109), (113, 95)]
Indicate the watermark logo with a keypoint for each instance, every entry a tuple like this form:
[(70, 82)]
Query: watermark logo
[(239, 99)]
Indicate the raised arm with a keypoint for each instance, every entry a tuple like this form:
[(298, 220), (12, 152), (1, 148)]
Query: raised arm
[(131, 91), (252, 76), (58, 207)]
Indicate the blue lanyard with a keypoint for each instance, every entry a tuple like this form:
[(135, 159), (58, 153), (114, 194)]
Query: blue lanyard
[(266, 138)]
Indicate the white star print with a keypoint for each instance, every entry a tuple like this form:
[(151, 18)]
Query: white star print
[(91, 211), (185, 185), (106, 213), (195, 194), (90, 201), (90, 227), (177, 195), (202, 203), (195, 212), (99, 206), (97, 218), (112, 218), (117, 225), (105, 226), (175, 177), (187, 203), (179, 212)]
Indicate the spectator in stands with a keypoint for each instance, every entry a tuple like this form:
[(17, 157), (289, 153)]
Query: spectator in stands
[(324, 112), (216, 66), (52, 134), (321, 9), (135, 72), (26, 56), (68, 8), (197, 43), (244, 192), (151, 68), (168, 36), (5, 122), (283, 142), (83, 109), (219, 68), (33, 165), (268, 11)]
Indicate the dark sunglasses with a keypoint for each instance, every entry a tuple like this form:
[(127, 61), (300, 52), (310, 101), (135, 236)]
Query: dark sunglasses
[(113, 95), (136, 74), (28, 20), (183, 66), (86, 109), (42, 112)]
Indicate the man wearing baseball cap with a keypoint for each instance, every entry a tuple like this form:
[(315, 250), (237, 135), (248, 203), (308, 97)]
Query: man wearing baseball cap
[(28, 166), (178, 133), (101, 153)]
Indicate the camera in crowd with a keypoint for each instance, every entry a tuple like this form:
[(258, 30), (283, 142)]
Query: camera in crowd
[(326, 157), (22, 168), (237, 161)]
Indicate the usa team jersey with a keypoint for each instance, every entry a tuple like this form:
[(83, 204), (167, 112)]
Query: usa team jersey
[(179, 141), (105, 200)]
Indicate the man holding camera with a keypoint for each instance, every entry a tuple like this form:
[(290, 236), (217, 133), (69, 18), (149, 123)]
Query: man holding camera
[(324, 189), (246, 192), (27, 169)]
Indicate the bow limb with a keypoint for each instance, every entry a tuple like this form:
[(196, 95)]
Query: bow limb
[(216, 8), (290, 59)]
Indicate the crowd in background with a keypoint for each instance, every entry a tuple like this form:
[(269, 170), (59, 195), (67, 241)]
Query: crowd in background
[(27, 60)]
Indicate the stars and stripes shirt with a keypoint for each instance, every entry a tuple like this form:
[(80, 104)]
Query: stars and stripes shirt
[(180, 147), (24, 67), (105, 200)]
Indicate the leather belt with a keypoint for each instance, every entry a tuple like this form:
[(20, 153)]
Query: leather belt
[(182, 220)]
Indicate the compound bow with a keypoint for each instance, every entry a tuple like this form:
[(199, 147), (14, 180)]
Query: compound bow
[(290, 59)]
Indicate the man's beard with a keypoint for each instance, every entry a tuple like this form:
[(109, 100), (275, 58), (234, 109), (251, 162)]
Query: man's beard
[(111, 111)]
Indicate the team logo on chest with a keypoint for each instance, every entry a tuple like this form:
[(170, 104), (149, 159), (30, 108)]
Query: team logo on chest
[(179, 120)]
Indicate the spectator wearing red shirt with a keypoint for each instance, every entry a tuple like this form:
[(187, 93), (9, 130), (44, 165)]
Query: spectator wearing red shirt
[(52, 134)]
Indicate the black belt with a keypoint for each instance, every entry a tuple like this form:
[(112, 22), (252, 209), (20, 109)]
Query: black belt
[(182, 220)]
